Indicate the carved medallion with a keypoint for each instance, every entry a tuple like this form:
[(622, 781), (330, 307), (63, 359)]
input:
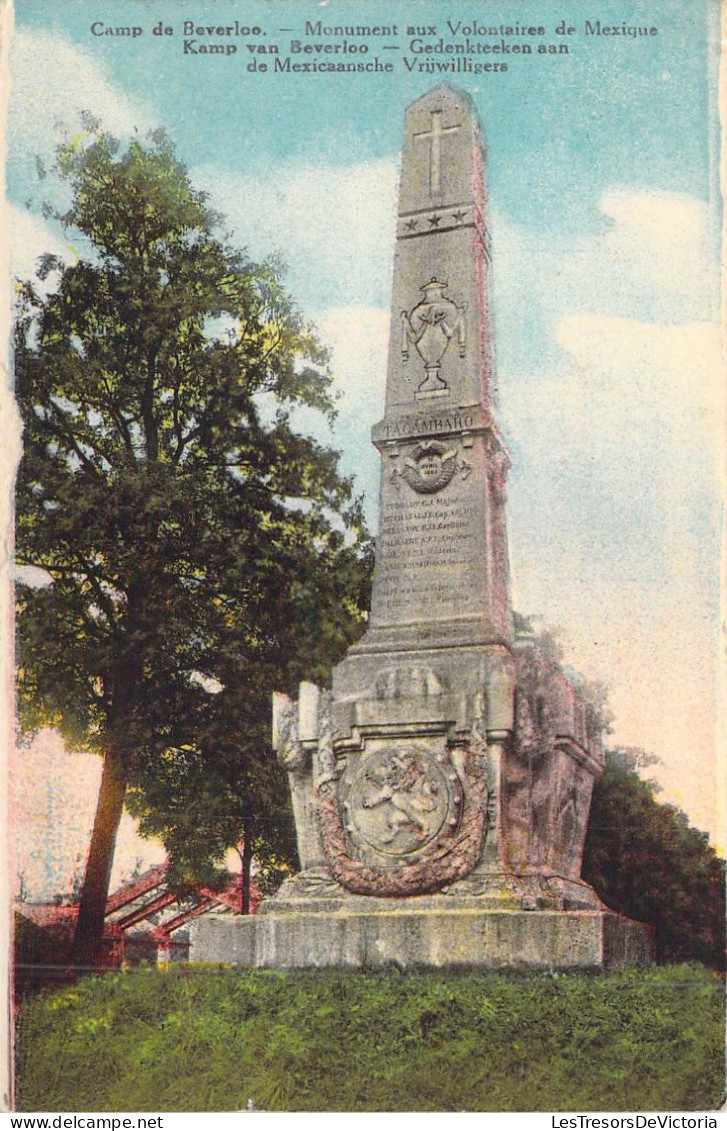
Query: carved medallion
[(402, 820), (399, 800), (431, 466)]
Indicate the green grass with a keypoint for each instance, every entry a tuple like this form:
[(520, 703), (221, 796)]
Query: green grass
[(209, 1039)]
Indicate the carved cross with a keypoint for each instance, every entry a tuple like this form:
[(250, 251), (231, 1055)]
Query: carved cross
[(435, 134)]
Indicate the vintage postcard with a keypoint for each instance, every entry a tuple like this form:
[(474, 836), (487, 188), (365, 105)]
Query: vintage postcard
[(369, 363)]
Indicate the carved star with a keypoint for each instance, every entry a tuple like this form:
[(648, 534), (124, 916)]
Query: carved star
[(434, 221), (459, 216), (411, 225)]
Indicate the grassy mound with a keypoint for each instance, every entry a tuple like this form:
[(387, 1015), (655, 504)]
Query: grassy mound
[(209, 1039)]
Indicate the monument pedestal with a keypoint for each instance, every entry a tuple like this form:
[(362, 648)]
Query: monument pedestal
[(312, 922), (418, 936), (441, 788)]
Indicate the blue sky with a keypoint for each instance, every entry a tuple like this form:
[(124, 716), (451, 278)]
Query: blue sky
[(603, 175)]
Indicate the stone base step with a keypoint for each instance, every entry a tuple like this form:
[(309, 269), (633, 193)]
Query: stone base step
[(423, 938)]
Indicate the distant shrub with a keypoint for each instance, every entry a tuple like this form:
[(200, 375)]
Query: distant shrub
[(645, 860)]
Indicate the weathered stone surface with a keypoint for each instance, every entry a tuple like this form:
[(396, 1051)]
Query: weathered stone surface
[(441, 558), (424, 938), (441, 788), (447, 752), (406, 818), (549, 768)]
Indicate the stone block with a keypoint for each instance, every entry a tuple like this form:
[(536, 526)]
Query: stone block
[(433, 938)]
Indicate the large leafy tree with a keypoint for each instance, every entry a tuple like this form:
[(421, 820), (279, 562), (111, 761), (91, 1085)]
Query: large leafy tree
[(207, 797), (196, 542), (646, 861)]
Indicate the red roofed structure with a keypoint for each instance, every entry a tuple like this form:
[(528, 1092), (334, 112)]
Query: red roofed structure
[(145, 923)]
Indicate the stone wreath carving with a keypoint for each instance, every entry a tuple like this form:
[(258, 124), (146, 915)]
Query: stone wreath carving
[(430, 468), (407, 807)]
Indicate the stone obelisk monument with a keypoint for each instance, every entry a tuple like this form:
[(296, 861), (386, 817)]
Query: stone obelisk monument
[(441, 788)]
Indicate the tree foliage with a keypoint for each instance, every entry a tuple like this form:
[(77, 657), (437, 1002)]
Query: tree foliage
[(194, 538), (645, 860)]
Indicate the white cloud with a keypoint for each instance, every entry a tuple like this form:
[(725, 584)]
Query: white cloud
[(358, 340), (31, 237), (618, 454), (662, 241), (329, 223), (618, 445), (618, 463), (631, 357), (652, 259), (645, 375), (626, 346), (52, 82)]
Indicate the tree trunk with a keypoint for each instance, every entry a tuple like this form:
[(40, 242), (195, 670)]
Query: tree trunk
[(246, 869), (94, 893)]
